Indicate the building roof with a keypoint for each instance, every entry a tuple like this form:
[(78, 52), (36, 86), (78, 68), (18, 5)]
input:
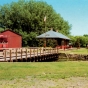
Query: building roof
[(10, 31), (53, 34)]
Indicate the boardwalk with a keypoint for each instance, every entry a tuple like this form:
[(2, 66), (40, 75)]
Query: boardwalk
[(29, 54)]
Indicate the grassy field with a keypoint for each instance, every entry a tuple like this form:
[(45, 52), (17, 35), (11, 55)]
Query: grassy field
[(46, 70), (42, 75), (75, 51), (69, 74)]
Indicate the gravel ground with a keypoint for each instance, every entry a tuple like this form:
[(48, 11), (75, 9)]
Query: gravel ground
[(29, 82)]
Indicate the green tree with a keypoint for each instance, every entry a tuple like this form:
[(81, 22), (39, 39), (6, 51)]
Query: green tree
[(27, 18)]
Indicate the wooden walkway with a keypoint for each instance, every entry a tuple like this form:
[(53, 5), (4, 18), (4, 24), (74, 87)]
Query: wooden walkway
[(28, 54)]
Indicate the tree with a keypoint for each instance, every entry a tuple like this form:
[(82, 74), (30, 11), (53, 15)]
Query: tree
[(27, 18), (86, 35)]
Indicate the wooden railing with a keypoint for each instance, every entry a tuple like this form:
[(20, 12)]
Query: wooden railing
[(20, 53)]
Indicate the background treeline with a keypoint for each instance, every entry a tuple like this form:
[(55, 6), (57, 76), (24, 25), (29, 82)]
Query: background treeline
[(79, 41), (26, 17)]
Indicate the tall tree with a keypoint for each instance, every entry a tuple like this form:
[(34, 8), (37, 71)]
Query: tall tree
[(27, 18)]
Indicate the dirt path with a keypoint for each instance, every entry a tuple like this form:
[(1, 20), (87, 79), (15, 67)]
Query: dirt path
[(73, 82)]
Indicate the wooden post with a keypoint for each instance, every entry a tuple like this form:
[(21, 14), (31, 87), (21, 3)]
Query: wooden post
[(43, 54), (30, 53), (10, 56), (5, 55), (37, 52), (53, 51), (50, 50), (34, 55), (34, 52), (21, 55), (43, 51), (26, 54), (16, 55), (40, 51), (57, 50)]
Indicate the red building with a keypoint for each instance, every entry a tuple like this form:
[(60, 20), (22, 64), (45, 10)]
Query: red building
[(10, 39)]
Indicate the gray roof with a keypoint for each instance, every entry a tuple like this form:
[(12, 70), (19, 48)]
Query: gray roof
[(53, 34)]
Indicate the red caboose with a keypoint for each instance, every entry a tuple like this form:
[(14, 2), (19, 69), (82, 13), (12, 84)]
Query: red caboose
[(10, 39)]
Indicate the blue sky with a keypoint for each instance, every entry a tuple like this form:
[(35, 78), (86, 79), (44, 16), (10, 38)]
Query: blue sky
[(73, 11)]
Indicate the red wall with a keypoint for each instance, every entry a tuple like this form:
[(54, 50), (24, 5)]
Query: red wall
[(14, 39)]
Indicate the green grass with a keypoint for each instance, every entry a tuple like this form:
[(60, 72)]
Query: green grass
[(76, 51), (43, 70)]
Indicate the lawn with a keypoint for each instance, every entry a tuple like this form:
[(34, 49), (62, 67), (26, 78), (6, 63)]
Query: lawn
[(40, 74), (75, 51), (46, 70)]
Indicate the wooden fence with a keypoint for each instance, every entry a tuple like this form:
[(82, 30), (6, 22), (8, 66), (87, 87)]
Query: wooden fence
[(15, 54)]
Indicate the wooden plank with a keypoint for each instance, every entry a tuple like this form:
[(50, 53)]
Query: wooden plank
[(16, 55), (37, 52), (26, 54), (4, 55), (30, 52), (10, 56), (21, 55), (40, 51)]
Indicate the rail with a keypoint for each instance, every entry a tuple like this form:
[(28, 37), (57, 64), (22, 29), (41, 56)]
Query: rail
[(25, 53)]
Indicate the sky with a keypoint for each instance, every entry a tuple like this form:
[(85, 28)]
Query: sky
[(73, 11)]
